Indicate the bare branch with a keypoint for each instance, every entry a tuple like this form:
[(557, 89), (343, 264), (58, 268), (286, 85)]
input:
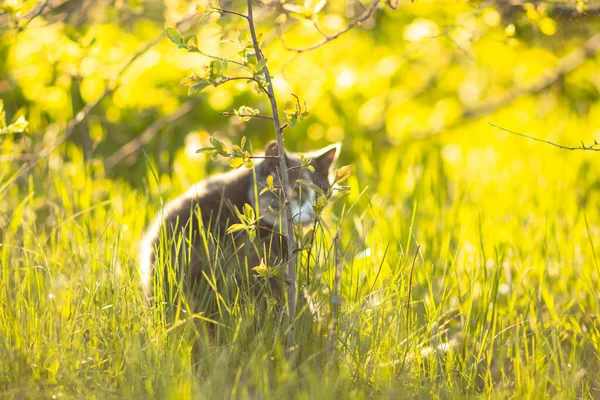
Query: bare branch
[(197, 50), (327, 38), (547, 79), (221, 10), (592, 147), (228, 114), (239, 78), (36, 12), (30, 16), (271, 157), (565, 65)]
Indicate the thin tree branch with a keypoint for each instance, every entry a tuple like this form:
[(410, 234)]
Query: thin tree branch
[(547, 79), (196, 50), (592, 147), (36, 13), (239, 78), (284, 172), (565, 65), (228, 114), (364, 16), (266, 157), (30, 16), (229, 12)]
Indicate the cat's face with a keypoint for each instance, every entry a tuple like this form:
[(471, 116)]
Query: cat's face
[(301, 197)]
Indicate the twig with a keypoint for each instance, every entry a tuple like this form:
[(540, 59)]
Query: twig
[(565, 65), (364, 16), (283, 165), (30, 16), (272, 157), (230, 12), (549, 77), (238, 78), (228, 114), (138, 142), (196, 50), (37, 13), (591, 147)]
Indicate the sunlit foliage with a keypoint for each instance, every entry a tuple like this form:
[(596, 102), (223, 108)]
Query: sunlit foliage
[(504, 297)]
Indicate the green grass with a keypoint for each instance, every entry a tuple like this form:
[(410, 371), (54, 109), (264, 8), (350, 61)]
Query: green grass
[(500, 301)]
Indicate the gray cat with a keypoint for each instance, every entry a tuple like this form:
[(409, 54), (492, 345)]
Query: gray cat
[(189, 236)]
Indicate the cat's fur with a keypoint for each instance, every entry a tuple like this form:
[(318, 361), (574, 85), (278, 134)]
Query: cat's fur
[(189, 234)]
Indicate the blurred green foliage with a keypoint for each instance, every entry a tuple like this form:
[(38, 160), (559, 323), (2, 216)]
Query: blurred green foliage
[(509, 228)]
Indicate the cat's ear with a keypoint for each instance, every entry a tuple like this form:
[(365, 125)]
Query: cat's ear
[(324, 158), (271, 149)]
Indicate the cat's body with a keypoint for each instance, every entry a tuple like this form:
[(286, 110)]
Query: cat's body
[(188, 237)]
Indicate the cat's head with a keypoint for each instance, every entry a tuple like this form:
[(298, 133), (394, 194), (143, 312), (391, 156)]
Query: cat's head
[(301, 197)]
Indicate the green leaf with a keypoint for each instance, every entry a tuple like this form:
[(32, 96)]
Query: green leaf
[(196, 88), (19, 126), (188, 81), (237, 150), (236, 162), (289, 107), (174, 36), (261, 64), (308, 237), (215, 68), (249, 212), (224, 67), (292, 120), (205, 150), (342, 173), (236, 228), (251, 58), (240, 38), (263, 271), (188, 37), (202, 9), (310, 185), (219, 146), (320, 203), (340, 194)]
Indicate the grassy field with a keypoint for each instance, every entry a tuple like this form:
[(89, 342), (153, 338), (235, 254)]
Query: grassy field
[(467, 272), (465, 263)]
